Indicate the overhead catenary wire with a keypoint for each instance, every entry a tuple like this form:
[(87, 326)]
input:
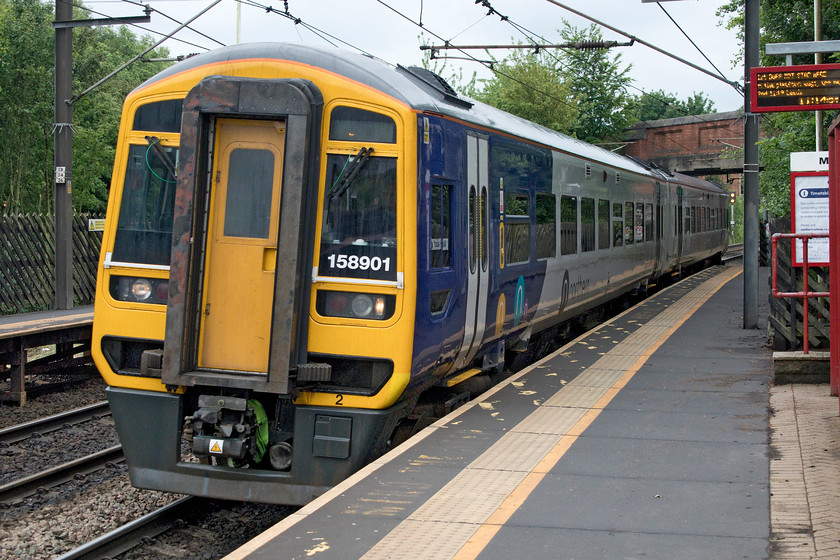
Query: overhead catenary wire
[(78, 96), (170, 18), (487, 64), (146, 29), (528, 34), (735, 85), (690, 40)]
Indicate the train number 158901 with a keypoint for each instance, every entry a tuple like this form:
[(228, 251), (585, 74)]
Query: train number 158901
[(357, 262)]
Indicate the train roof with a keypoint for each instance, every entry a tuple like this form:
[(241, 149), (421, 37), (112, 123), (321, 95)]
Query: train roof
[(419, 89)]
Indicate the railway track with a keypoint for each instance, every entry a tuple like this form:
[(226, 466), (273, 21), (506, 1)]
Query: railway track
[(138, 531), (27, 486), (59, 474), (20, 432)]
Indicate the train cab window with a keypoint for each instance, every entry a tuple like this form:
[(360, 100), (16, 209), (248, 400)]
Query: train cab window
[(587, 224), (639, 232), (441, 227), (648, 222), (517, 228), (618, 224), (250, 182), (359, 228), (160, 116), (568, 225), (603, 224), (358, 125), (546, 226), (628, 223), (144, 229)]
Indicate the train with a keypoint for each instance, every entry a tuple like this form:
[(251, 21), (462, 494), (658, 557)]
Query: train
[(303, 244)]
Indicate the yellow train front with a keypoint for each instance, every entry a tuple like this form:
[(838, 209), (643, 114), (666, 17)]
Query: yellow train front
[(225, 165), (302, 245)]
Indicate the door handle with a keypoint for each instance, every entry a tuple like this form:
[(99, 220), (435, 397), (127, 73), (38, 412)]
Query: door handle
[(269, 259)]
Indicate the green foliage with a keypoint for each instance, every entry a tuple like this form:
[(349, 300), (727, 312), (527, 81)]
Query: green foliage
[(599, 85), (531, 86), (654, 105), (26, 105), (26, 101), (583, 93)]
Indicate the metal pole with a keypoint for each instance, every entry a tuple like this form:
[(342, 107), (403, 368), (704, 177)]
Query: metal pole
[(63, 158), (750, 171), (818, 60)]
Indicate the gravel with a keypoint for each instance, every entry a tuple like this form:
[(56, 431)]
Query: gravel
[(60, 519)]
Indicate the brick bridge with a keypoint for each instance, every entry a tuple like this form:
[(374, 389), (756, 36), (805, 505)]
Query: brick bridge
[(700, 145)]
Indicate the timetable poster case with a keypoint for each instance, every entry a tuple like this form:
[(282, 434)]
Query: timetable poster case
[(809, 205)]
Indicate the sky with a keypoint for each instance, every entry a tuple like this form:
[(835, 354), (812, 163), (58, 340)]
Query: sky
[(376, 27)]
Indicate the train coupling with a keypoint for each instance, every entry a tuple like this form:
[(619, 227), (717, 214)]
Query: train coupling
[(228, 427)]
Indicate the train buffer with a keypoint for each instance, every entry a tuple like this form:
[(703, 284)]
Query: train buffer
[(646, 437), (69, 330)]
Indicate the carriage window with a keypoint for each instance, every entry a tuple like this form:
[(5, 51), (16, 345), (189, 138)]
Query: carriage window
[(250, 181), (587, 224), (357, 125), (161, 116), (618, 224), (568, 225), (628, 223), (440, 224), (144, 229), (603, 224), (517, 228), (648, 222), (639, 232), (359, 228), (546, 226), (693, 219)]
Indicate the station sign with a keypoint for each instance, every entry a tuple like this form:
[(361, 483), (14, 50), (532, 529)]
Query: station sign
[(809, 205), (814, 87)]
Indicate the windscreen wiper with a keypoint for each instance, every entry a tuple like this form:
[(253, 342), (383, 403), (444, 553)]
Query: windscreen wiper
[(348, 175), (154, 144)]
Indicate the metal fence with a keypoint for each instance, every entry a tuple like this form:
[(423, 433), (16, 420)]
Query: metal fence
[(27, 262)]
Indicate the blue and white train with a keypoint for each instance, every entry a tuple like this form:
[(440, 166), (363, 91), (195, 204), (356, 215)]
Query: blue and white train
[(303, 243)]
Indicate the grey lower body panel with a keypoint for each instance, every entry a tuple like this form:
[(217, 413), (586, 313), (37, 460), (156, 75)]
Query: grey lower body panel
[(150, 424)]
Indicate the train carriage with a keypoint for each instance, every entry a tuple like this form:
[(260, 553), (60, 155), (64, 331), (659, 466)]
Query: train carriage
[(302, 244)]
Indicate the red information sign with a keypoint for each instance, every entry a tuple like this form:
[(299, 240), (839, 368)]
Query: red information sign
[(812, 87)]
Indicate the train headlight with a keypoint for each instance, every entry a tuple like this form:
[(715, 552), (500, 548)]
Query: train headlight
[(354, 305), (140, 290), (362, 305)]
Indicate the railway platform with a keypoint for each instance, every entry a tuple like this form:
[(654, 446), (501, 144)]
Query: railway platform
[(70, 330), (656, 435)]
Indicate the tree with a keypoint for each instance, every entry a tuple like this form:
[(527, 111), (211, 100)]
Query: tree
[(26, 106), (599, 85), (531, 86), (654, 105)]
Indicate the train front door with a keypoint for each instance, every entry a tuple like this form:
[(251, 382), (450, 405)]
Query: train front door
[(241, 251)]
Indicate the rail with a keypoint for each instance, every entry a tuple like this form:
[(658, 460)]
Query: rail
[(20, 432), (128, 536), (23, 487), (805, 294)]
